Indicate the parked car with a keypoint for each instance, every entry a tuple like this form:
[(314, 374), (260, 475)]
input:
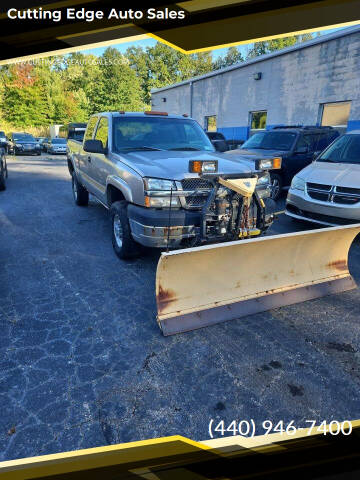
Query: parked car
[(328, 191), (218, 140), (41, 141), (23, 144), (46, 143), (3, 170), (296, 145), (233, 144), (159, 176), (3, 141), (222, 144), (56, 145)]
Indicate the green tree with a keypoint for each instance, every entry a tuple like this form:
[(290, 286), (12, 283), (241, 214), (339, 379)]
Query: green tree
[(261, 48), (24, 96), (119, 88), (233, 56), (160, 65)]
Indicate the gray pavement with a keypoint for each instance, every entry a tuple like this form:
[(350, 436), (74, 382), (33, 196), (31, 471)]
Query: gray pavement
[(83, 362)]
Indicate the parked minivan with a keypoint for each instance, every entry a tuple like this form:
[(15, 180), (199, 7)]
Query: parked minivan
[(327, 192)]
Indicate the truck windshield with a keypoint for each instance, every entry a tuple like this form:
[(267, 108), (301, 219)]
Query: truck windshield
[(271, 141), (59, 140), (345, 149), (158, 133)]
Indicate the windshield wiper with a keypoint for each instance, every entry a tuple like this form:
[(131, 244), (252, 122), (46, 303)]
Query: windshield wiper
[(186, 148), (144, 147)]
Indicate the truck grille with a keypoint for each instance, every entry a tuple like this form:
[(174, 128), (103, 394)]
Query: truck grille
[(333, 193), (195, 201), (195, 183)]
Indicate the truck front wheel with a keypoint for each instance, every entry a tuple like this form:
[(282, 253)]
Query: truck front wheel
[(276, 186), (124, 245), (80, 194)]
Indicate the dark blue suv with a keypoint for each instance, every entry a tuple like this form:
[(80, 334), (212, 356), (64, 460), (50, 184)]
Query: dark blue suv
[(296, 145)]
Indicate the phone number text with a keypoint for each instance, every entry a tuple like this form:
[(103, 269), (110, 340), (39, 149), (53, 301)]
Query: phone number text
[(248, 428)]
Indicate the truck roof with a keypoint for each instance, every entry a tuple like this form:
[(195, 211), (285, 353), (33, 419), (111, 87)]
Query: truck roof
[(142, 114), (302, 128)]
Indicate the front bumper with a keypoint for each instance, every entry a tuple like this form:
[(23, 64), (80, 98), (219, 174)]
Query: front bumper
[(61, 152), (161, 228), (27, 151), (299, 205)]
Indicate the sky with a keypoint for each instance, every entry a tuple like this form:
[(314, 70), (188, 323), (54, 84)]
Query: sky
[(148, 42)]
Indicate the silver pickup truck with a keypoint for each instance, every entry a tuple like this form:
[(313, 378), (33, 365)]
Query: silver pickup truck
[(165, 185)]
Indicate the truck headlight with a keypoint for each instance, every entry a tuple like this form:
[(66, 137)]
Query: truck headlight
[(298, 184), (158, 193), (268, 163), (203, 166), (161, 202), (159, 184)]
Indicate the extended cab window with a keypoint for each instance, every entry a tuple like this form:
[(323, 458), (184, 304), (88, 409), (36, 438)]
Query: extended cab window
[(102, 131), (76, 135), (90, 128)]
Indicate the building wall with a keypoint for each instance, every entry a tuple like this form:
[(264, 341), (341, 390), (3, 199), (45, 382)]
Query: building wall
[(177, 101), (292, 88)]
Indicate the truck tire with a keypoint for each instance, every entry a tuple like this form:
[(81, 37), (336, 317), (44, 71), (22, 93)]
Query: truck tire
[(276, 184), (124, 245), (2, 175), (80, 194)]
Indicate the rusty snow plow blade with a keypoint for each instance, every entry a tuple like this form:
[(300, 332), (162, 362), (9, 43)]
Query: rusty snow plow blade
[(198, 287)]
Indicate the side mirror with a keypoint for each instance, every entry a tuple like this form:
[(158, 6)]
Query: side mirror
[(94, 146), (220, 145), (315, 155)]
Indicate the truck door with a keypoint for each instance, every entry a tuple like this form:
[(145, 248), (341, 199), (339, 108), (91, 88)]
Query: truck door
[(303, 153), (100, 165), (84, 158)]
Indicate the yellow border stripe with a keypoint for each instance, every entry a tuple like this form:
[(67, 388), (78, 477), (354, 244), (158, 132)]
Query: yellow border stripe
[(259, 39), (37, 467)]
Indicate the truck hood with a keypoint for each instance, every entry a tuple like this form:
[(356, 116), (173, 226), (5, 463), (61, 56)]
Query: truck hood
[(328, 173), (174, 165)]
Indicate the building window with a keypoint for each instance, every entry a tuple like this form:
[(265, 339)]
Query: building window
[(335, 114), (210, 123), (258, 120)]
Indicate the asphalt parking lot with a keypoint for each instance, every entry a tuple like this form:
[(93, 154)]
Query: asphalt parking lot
[(83, 362)]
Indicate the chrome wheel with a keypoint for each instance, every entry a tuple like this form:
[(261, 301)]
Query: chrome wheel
[(275, 188), (118, 231)]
